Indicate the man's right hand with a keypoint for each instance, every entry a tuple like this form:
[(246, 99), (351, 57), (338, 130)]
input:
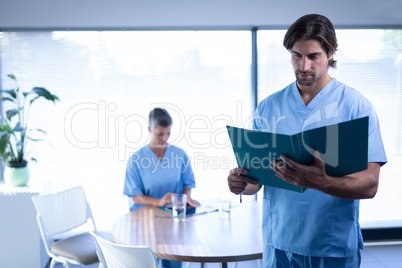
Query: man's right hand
[(238, 183)]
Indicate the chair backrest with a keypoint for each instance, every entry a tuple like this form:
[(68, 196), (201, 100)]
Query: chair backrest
[(114, 255), (61, 212)]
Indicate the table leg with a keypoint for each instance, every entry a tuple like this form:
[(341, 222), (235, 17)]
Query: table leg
[(224, 265)]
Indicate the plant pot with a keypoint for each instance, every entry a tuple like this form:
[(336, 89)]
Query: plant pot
[(16, 174)]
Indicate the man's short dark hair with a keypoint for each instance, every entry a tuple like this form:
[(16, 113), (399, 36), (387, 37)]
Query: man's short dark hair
[(159, 117), (313, 27)]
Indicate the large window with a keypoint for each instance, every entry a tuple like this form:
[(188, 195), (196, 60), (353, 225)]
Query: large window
[(108, 82), (371, 62)]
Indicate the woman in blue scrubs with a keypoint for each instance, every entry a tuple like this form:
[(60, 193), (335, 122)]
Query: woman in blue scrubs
[(159, 169)]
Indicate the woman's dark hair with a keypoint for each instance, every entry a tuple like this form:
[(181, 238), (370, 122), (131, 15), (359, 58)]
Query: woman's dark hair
[(159, 117), (313, 27)]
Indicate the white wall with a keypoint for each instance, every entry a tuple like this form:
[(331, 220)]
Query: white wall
[(187, 14)]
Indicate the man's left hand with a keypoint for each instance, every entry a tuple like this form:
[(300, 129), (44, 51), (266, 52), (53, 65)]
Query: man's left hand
[(312, 176)]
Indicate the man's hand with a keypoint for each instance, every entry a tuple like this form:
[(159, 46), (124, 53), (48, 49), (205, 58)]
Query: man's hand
[(312, 176), (238, 183), (359, 185)]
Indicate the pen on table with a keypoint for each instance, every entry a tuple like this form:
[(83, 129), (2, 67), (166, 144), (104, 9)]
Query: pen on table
[(163, 216), (196, 214)]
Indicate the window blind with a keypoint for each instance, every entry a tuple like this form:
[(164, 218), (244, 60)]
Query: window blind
[(108, 82)]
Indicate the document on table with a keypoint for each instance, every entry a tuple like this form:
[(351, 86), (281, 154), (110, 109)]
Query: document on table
[(342, 146)]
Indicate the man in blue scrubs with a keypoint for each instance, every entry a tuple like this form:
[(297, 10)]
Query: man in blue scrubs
[(317, 228)]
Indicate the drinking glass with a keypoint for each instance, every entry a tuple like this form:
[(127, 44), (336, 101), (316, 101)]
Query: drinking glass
[(224, 208), (179, 203)]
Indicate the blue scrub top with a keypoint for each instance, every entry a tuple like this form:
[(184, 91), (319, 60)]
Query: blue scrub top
[(314, 223), (147, 175)]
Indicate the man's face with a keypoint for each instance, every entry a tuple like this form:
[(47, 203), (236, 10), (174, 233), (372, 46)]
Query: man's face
[(310, 62)]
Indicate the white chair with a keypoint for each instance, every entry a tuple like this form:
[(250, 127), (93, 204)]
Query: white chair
[(57, 215), (114, 255)]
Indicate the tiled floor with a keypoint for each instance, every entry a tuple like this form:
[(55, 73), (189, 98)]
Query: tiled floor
[(386, 256), (373, 256)]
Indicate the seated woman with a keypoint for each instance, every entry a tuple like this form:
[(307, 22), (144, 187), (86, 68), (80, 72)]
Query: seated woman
[(159, 169)]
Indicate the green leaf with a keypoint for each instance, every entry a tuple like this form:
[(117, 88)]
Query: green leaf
[(5, 128), (11, 92), (6, 99), (18, 128), (41, 130), (8, 157), (11, 113), (12, 77), (43, 92), (32, 139), (4, 140)]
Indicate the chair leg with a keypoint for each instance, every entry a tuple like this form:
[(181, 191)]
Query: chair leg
[(52, 263), (48, 263), (224, 265)]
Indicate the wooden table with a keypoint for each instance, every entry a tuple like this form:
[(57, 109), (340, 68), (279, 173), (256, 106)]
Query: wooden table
[(201, 238)]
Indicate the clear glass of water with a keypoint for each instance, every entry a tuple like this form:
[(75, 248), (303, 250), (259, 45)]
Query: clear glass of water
[(179, 203), (224, 208)]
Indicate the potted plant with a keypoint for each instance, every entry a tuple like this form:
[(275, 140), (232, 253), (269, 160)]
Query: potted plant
[(15, 131)]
